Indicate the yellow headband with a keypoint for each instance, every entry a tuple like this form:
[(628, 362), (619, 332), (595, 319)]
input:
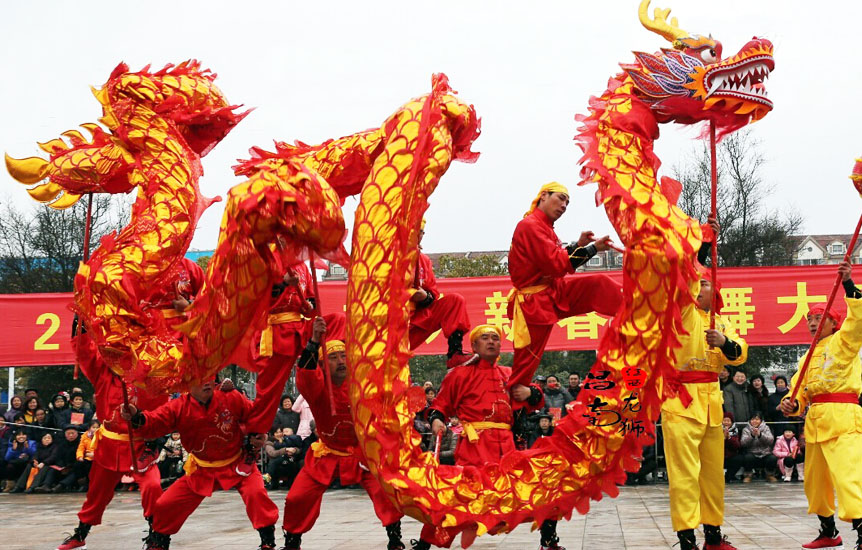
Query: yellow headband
[(553, 187), (484, 329), (422, 225), (333, 346)]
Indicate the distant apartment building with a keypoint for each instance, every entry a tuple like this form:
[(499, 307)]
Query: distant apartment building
[(824, 249)]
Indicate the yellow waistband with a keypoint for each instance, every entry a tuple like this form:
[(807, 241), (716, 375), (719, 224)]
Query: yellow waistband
[(320, 449), (193, 462), (472, 429), (275, 319), (519, 325), (105, 432)]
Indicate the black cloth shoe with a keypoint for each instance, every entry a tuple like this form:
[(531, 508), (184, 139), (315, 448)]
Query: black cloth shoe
[(292, 541), (548, 539), (393, 531), (158, 541), (687, 540), (419, 545), (267, 538)]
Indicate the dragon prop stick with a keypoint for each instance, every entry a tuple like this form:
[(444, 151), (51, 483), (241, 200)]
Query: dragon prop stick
[(87, 229), (317, 309), (856, 176), (714, 213)]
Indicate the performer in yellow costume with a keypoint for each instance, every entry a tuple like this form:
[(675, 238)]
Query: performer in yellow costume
[(693, 437), (833, 426)]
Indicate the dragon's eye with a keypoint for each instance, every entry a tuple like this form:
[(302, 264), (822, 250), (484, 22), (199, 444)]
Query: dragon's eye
[(708, 55)]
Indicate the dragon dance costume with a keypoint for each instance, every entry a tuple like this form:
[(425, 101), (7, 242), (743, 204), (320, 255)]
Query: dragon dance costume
[(833, 425), (334, 453)]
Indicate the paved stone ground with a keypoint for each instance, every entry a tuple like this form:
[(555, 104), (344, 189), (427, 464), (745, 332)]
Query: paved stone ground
[(758, 516)]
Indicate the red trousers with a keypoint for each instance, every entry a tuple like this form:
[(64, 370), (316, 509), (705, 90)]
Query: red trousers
[(302, 504), (179, 501), (572, 296), (448, 313), (101, 491)]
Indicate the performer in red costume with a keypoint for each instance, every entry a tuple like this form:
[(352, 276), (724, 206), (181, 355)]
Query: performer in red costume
[(542, 294), (210, 424), (434, 312), (477, 394), (113, 457), (336, 451), (281, 341)]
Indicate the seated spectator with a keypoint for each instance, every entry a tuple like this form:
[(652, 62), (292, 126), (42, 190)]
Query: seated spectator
[(38, 427), (787, 451), (738, 400), (305, 417), (172, 458), (574, 385), (59, 404), (76, 414), (46, 454), (286, 417), (757, 442), (733, 458), (648, 466), (556, 398), (19, 453), (284, 455), (544, 429), (759, 394), (60, 476), (455, 425), (6, 435), (773, 415), (16, 406)]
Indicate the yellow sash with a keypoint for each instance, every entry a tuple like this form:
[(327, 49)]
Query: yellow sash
[(193, 463), (472, 429), (105, 432), (275, 319), (171, 313), (519, 324), (320, 449)]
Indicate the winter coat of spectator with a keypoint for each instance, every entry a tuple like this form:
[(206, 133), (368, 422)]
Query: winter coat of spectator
[(46, 456), (39, 426), (544, 429), (733, 458), (556, 398), (648, 466), (759, 394), (738, 400), (16, 406), (773, 415), (76, 414), (19, 453), (447, 446), (59, 405), (172, 457), (85, 445), (305, 417), (286, 417), (285, 458), (6, 433), (61, 476), (757, 443), (725, 377), (789, 455), (574, 385), (31, 405)]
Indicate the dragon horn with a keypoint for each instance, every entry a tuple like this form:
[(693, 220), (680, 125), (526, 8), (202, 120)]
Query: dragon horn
[(28, 170), (659, 25)]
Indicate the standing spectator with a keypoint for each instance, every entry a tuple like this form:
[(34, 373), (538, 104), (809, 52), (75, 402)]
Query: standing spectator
[(59, 404), (286, 417), (574, 385), (282, 451), (724, 377), (87, 406), (544, 429), (733, 459), (738, 400), (759, 395), (305, 417), (37, 427), (16, 406), (46, 454), (427, 384), (542, 382), (31, 392), (31, 405), (77, 415), (786, 450), (779, 421), (430, 394), (6, 435), (556, 397), (455, 425), (18, 455), (172, 458), (449, 441), (757, 442)]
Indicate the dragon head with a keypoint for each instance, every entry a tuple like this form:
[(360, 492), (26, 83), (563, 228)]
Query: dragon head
[(692, 82), (183, 94)]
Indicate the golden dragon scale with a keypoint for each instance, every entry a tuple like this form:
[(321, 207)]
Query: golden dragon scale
[(159, 125)]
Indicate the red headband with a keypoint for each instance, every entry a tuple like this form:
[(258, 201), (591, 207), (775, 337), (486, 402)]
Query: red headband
[(833, 314)]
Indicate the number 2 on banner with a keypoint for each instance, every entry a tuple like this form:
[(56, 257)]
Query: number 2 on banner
[(41, 343)]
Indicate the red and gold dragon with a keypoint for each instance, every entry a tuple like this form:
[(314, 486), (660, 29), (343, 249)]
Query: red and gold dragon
[(159, 125)]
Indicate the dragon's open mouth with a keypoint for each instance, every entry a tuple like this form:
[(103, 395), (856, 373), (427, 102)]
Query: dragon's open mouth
[(743, 79)]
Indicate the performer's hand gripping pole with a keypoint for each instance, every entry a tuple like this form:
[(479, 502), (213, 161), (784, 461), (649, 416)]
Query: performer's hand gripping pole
[(317, 311)]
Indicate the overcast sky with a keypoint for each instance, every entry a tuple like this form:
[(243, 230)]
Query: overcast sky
[(315, 70)]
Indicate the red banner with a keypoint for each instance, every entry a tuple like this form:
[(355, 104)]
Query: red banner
[(767, 305)]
